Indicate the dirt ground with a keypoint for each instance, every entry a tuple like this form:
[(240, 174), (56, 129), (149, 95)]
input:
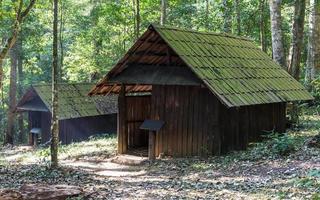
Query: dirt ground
[(252, 174)]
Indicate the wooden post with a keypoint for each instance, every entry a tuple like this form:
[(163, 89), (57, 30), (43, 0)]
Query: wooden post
[(122, 122), (151, 152), (29, 129)]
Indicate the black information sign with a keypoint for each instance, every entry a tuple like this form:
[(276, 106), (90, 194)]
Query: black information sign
[(152, 125)]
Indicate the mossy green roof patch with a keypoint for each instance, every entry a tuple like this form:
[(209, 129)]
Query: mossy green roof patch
[(234, 68), (73, 100)]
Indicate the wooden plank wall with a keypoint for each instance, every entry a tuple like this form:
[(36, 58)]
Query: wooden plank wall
[(191, 125), (73, 130), (79, 129), (138, 109), (196, 123)]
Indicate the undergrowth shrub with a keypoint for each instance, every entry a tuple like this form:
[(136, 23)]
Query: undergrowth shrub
[(281, 144), (275, 145), (316, 89)]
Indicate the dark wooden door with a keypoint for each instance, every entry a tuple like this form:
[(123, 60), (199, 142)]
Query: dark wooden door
[(138, 109)]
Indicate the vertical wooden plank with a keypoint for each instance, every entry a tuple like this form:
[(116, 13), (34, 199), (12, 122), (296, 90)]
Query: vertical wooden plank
[(185, 121), (204, 122), (161, 111), (211, 124), (151, 149), (173, 122), (246, 128), (190, 114), (217, 140), (166, 129), (179, 119), (199, 122), (155, 105), (122, 121), (29, 127), (195, 131), (238, 140), (170, 133)]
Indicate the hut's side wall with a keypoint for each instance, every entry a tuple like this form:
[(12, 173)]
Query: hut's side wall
[(79, 129), (73, 130), (196, 123), (243, 125)]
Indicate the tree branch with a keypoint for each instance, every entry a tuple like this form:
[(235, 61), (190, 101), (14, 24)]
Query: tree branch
[(20, 15)]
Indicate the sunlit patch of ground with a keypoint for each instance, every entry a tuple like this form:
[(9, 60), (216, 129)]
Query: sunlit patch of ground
[(252, 174)]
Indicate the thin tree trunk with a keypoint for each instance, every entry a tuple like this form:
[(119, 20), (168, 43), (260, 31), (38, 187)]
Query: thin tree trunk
[(238, 13), (226, 17), (313, 58), (262, 26), (2, 121), (61, 41), (297, 39), (163, 16), (136, 6), (295, 49), (276, 33), (12, 97), (20, 86), (54, 123), (207, 14)]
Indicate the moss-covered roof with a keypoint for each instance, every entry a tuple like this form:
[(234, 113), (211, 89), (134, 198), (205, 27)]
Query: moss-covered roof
[(233, 68), (74, 101)]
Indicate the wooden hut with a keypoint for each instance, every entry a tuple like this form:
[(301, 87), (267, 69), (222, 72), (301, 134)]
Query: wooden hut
[(214, 92), (80, 116)]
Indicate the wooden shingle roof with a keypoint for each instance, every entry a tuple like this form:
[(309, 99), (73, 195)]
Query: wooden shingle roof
[(74, 101), (233, 68)]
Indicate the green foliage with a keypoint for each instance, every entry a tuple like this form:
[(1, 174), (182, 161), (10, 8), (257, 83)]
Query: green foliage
[(275, 145), (314, 173), (281, 144), (312, 179), (316, 89)]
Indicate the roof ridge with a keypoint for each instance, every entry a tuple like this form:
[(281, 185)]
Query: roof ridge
[(156, 26)]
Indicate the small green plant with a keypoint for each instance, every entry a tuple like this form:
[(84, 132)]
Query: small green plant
[(200, 166), (316, 89), (44, 152), (314, 173), (311, 180), (316, 196), (281, 144)]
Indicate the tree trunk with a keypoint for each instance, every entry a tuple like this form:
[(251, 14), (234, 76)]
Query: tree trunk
[(297, 39), (207, 14), (226, 17), (276, 33), (136, 5), (313, 59), (262, 26), (20, 86), (295, 49), (54, 123), (60, 74), (163, 16), (12, 97), (238, 13)]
